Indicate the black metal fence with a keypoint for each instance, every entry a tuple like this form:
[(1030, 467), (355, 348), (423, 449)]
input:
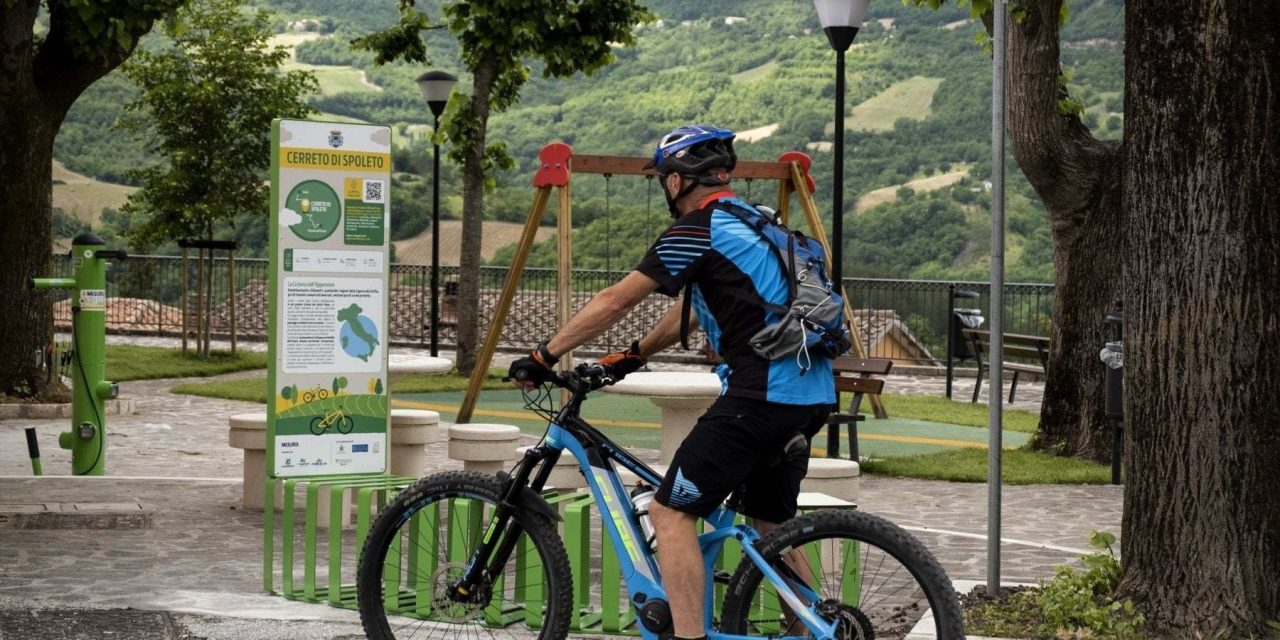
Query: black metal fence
[(905, 320)]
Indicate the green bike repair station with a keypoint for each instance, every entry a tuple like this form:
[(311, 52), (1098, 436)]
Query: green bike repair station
[(87, 438)]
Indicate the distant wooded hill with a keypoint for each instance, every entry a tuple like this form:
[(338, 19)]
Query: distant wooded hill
[(919, 109)]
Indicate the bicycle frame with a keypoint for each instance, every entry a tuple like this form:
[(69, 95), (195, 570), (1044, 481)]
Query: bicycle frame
[(596, 455)]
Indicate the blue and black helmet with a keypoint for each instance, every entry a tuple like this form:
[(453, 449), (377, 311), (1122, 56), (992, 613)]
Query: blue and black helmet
[(694, 150)]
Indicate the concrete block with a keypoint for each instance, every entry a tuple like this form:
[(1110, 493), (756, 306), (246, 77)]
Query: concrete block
[(491, 443), (833, 476)]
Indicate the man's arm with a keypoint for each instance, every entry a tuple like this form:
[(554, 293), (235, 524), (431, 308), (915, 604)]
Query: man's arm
[(667, 332), (603, 311)]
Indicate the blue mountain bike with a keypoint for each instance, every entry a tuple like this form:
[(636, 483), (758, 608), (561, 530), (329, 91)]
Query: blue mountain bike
[(483, 552)]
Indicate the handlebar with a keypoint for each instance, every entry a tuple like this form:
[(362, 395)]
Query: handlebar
[(583, 379)]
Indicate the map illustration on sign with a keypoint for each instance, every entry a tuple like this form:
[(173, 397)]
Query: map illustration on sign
[(315, 208), (358, 335)]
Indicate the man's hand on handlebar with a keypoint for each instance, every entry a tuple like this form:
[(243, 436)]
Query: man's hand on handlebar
[(533, 369), (623, 363)]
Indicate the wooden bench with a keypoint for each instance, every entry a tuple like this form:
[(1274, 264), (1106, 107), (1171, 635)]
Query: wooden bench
[(1016, 345), (853, 375)]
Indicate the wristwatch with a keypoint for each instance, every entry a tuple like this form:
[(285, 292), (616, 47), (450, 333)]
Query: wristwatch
[(545, 355)]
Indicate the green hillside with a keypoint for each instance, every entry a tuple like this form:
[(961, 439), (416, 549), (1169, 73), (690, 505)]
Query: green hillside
[(918, 99)]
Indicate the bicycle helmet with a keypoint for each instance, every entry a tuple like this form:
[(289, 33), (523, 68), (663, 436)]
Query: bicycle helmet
[(699, 151), (694, 150)]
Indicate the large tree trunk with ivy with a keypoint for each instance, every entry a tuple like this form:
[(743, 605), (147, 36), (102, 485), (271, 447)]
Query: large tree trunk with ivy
[(1201, 542), (473, 178), (1079, 179)]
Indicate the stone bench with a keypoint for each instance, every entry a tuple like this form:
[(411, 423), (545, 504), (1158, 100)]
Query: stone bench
[(411, 431), (248, 431), (835, 477), (486, 448)]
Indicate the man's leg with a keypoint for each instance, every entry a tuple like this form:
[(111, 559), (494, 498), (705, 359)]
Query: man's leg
[(680, 560)]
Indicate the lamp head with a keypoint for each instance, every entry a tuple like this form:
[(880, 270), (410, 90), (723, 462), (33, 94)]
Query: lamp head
[(436, 87), (840, 20)]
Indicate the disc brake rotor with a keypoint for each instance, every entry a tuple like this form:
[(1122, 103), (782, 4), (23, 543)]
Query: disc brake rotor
[(445, 608), (851, 622)]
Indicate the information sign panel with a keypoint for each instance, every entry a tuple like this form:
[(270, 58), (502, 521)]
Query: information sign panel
[(327, 405)]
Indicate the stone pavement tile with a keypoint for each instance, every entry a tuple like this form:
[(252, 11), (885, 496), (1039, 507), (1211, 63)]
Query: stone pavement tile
[(1042, 525), (81, 624)]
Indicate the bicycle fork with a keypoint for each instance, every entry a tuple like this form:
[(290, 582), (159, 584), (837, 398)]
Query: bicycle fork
[(500, 536)]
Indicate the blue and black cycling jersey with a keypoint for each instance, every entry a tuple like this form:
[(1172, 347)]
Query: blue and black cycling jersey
[(712, 250)]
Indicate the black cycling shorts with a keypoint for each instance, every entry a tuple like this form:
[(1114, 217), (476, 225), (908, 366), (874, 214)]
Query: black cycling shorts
[(738, 445)]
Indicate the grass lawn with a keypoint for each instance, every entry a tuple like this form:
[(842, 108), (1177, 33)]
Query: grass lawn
[(255, 389), (970, 465), (129, 362), (936, 409)]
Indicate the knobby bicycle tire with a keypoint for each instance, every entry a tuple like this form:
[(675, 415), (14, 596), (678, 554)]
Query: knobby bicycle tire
[(346, 424), (450, 511), (866, 554)]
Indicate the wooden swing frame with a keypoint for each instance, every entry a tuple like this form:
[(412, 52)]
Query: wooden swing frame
[(557, 164)]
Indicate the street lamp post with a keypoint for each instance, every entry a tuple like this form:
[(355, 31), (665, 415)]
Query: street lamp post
[(435, 86), (840, 21)]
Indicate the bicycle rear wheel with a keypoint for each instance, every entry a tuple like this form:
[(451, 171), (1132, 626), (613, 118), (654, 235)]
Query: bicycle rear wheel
[(877, 580), (421, 543)]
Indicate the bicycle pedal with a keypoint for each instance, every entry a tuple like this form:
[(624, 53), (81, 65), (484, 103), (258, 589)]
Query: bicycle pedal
[(720, 577)]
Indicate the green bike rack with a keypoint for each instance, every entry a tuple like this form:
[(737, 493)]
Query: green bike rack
[(329, 586), (87, 437)]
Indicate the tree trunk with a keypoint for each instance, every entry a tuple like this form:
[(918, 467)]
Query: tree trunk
[(26, 186), (1079, 179), (37, 87), (472, 224), (1202, 315), (26, 189)]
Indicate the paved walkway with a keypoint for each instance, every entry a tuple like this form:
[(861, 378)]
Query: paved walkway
[(197, 572)]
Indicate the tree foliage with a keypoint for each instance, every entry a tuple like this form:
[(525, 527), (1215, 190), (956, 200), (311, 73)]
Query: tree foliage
[(498, 40), (209, 96)]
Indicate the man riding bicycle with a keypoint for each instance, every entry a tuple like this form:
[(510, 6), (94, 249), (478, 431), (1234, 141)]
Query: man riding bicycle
[(739, 443)]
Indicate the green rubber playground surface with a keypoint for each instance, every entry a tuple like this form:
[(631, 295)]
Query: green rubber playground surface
[(635, 422)]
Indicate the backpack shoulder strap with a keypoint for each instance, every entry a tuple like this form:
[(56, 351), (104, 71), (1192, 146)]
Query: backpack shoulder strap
[(756, 222), (686, 304)]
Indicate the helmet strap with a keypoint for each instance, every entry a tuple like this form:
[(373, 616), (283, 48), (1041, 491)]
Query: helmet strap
[(693, 183)]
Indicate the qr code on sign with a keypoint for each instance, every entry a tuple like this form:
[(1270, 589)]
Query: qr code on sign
[(373, 191)]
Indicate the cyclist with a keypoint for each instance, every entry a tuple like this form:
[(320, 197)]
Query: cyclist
[(738, 442)]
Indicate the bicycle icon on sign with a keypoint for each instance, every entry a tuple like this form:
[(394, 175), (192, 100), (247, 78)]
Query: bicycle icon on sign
[(338, 419), (318, 393)]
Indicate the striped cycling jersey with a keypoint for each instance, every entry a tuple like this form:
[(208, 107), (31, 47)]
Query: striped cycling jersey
[(716, 253)]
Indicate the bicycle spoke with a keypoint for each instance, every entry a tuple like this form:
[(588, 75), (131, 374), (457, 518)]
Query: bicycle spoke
[(431, 552), (866, 589)]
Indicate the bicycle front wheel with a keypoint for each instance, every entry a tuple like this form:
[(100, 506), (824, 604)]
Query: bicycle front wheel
[(870, 576), (421, 543)]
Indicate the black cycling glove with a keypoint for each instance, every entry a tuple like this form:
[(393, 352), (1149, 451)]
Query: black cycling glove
[(535, 368)]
